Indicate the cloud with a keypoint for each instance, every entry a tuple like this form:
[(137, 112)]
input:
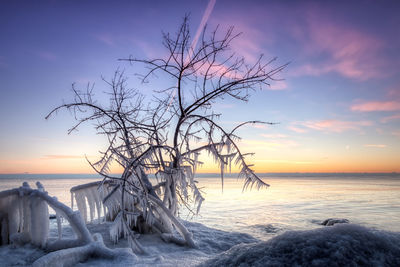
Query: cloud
[(376, 106), (390, 118), (271, 143), (274, 135), (339, 48), (225, 106), (46, 55), (375, 145), (278, 85), (286, 161), (203, 22), (296, 129), (396, 133), (336, 126), (105, 39), (61, 157), (252, 40)]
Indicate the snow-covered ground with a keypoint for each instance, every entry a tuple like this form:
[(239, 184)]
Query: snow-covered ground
[(209, 243), (338, 245)]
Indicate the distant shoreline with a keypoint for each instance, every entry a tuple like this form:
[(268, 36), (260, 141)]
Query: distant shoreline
[(210, 175)]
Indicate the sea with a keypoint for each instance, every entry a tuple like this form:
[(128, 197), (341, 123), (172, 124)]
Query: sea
[(294, 201)]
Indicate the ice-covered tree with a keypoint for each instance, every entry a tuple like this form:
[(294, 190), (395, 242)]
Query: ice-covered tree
[(166, 134)]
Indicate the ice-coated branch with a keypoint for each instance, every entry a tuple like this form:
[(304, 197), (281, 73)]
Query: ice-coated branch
[(28, 218)]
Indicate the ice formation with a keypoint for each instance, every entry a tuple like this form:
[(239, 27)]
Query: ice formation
[(24, 218), (88, 200)]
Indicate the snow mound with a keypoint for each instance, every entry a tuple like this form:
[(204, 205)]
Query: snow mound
[(209, 242), (339, 245)]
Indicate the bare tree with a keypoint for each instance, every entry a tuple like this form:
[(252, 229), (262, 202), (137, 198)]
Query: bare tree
[(166, 135)]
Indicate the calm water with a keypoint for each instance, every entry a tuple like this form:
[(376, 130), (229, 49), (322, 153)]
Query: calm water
[(293, 202)]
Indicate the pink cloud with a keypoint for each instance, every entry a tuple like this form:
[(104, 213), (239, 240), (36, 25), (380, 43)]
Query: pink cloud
[(396, 133), (395, 93), (335, 126), (274, 135), (350, 52), (278, 85), (105, 38), (390, 118), (280, 140), (49, 56), (271, 143), (61, 157), (297, 129), (252, 40), (375, 145), (376, 106)]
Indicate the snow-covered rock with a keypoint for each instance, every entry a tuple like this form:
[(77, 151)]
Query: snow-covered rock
[(339, 245)]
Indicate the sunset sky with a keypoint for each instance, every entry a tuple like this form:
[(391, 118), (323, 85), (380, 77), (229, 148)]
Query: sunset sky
[(338, 108)]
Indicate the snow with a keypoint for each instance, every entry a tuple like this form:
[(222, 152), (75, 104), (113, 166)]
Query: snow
[(209, 242), (339, 245)]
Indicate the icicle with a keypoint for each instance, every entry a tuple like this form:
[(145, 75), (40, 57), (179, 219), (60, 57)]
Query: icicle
[(91, 201), (13, 215), (59, 225), (116, 228), (72, 200), (39, 221), (222, 175), (81, 203), (97, 202)]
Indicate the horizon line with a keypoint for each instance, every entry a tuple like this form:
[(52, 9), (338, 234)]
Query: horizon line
[(214, 173)]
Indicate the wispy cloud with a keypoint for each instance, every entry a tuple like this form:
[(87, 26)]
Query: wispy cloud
[(375, 145), (274, 135), (286, 161), (105, 38), (336, 126), (278, 85), (390, 118), (62, 157), (345, 49), (271, 143), (396, 133), (296, 129), (376, 106), (47, 55), (203, 22)]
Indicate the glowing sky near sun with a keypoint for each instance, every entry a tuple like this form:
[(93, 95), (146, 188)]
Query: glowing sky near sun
[(338, 108)]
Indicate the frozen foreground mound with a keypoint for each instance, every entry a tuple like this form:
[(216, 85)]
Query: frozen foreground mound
[(339, 245)]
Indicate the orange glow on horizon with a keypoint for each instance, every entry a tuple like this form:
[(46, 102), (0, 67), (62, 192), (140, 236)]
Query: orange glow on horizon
[(337, 165)]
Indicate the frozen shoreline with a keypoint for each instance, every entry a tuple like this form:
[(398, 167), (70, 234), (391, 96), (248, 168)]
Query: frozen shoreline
[(340, 244), (209, 243)]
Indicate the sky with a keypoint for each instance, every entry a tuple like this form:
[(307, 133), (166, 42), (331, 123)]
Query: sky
[(337, 107)]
